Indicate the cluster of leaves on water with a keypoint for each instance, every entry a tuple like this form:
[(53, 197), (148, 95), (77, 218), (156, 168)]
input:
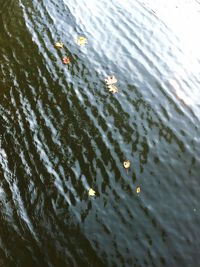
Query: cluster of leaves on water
[(110, 81), (80, 41)]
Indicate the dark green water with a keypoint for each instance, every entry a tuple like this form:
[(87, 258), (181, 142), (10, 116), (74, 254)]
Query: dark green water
[(62, 133)]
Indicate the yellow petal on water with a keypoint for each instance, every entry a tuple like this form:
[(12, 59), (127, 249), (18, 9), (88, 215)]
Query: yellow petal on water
[(138, 190), (127, 164), (91, 192), (110, 80), (113, 89), (59, 45), (81, 40)]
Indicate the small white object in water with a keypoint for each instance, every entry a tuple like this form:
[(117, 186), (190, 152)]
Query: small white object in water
[(110, 80), (91, 192), (138, 190), (59, 45), (127, 164), (113, 89), (81, 40)]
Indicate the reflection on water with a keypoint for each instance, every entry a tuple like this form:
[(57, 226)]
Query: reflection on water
[(63, 133)]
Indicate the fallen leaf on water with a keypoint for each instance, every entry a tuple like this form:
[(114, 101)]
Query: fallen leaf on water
[(113, 89), (127, 164), (66, 60), (59, 44), (138, 190), (91, 192), (81, 40), (110, 80)]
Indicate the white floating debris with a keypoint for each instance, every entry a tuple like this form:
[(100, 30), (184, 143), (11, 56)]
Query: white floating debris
[(91, 192), (113, 89), (110, 80)]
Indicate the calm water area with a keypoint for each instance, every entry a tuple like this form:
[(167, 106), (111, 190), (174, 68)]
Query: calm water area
[(62, 132)]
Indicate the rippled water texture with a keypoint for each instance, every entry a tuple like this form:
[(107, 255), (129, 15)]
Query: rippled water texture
[(63, 132)]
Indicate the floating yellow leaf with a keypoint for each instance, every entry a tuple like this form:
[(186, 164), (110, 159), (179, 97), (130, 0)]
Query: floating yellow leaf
[(91, 192), (127, 164), (113, 89), (138, 190), (81, 40), (59, 45), (110, 80)]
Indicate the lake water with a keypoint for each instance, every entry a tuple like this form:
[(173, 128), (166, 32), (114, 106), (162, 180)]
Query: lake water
[(63, 132)]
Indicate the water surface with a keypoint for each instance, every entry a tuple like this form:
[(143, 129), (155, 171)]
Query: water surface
[(62, 133)]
